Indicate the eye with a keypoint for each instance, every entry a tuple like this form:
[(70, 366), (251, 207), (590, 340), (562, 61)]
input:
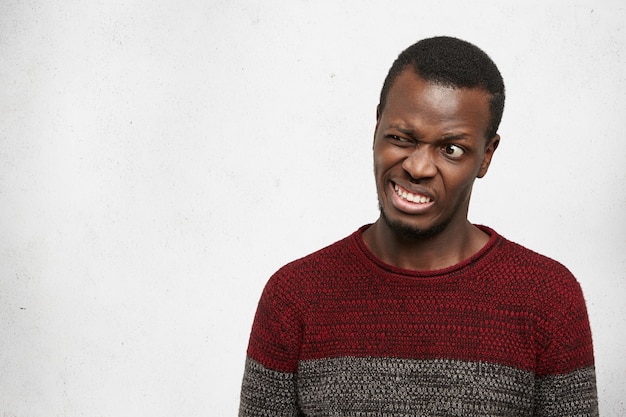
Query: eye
[(453, 151), (398, 140)]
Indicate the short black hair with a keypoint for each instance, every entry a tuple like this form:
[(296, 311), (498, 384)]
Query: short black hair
[(455, 63)]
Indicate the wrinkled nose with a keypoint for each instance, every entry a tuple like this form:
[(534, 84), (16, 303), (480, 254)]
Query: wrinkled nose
[(420, 164)]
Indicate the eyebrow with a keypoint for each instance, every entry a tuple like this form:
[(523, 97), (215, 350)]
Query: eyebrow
[(407, 131), (444, 138), (449, 136), (460, 136)]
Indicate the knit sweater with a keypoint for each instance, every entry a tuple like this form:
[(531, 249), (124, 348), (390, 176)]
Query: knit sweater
[(341, 333)]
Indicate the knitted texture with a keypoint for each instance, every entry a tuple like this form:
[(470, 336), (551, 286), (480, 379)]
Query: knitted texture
[(340, 333)]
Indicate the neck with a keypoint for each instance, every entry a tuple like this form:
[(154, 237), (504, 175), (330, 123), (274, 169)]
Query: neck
[(449, 247)]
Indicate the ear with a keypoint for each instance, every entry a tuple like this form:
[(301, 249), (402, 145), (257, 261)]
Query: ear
[(377, 121), (489, 151)]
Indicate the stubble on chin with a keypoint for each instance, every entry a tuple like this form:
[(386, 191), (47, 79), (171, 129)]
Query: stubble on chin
[(410, 232)]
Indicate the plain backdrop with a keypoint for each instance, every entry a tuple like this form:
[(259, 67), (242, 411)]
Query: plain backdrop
[(159, 160)]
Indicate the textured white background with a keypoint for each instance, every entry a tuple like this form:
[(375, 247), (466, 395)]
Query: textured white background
[(160, 159)]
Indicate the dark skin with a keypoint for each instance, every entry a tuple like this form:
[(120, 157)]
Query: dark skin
[(429, 147)]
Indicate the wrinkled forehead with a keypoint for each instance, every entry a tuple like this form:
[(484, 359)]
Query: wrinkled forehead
[(410, 93)]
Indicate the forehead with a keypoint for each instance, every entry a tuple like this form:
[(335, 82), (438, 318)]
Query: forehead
[(413, 98)]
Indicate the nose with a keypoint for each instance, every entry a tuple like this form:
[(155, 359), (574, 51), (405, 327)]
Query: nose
[(420, 164)]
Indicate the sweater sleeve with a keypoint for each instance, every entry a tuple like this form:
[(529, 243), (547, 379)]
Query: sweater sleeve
[(566, 381), (269, 382)]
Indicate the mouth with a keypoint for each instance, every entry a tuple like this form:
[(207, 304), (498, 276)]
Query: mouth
[(409, 196)]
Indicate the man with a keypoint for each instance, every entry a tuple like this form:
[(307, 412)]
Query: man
[(423, 313)]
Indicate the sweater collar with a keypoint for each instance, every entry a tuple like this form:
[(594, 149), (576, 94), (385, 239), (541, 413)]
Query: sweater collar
[(369, 257)]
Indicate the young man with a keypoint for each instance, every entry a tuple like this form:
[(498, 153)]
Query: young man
[(423, 313)]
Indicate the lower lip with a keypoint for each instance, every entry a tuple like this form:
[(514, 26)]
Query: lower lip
[(407, 206)]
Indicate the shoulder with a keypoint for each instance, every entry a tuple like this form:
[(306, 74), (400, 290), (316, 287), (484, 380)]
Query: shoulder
[(308, 273), (546, 279)]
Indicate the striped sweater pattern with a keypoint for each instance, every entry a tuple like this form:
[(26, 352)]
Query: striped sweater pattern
[(340, 333)]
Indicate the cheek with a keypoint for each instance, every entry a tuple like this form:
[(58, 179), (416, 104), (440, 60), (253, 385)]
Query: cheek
[(378, 161), (385, 157), (463, 184), (458, 178)]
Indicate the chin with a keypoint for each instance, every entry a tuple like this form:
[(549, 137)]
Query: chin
[(413, 232)]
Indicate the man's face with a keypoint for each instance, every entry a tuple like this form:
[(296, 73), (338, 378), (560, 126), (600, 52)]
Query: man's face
[(429, 147)]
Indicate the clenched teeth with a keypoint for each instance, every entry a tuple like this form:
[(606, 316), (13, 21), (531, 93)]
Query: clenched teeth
[(414, 198)]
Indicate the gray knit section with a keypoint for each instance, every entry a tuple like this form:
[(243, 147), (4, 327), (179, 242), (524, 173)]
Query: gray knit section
[(388, 387), (267, 393), (398, 387), (555, 396)]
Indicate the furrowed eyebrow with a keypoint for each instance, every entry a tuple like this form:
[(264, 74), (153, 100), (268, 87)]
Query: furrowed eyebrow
[(460, 136), (409, 132), (445, 138)]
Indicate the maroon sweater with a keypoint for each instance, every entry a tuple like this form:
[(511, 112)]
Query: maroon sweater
[(340, 333)]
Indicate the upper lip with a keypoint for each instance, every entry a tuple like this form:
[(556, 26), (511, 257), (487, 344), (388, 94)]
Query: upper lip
[(414, 189)]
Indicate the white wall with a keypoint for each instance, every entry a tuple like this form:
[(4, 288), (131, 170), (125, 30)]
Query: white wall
[(160, 159)]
